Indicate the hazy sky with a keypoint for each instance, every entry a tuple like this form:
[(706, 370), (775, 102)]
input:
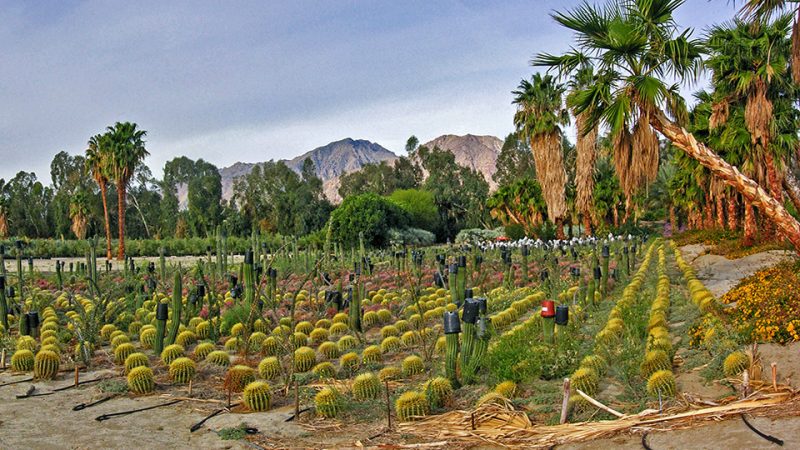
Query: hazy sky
[(250, 81)]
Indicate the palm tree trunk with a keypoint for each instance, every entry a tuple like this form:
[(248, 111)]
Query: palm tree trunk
[(587, 224), (720, 212), (732, 212), (103, 194), (753, 194), (673, 220), (560, 229), (749, 225), (792, 187), (615, 211), (121, 214), (708, 222)]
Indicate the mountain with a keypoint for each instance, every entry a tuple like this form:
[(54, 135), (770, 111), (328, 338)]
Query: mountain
[(476, 152)]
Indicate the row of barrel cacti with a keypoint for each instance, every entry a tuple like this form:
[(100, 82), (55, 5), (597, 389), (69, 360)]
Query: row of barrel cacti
[(656, 366)]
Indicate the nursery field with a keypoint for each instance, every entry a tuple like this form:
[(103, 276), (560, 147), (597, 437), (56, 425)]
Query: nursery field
[(525, 343)]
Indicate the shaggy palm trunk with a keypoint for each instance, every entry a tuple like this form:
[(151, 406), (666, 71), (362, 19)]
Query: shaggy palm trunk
[(103, 194), (709, 214), (753, 194), (673, 219), (121, 214), (796, 49), (586, 148), (549, 160), (749, 225), (720, 212), (733, 216)]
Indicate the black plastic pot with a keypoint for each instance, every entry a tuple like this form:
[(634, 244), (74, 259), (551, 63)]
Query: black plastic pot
[(468, 293), (562, 314), (462, 261), (525, 250), (162, 311), (451, 323), (481, 305), (248, 256), (470, 314), (453, 269), (2, 282), (606, 251), (437, 280), (201, 290), (597, 273), (544, 274)]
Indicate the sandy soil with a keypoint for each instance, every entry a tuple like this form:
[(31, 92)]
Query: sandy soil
[(48, 265)]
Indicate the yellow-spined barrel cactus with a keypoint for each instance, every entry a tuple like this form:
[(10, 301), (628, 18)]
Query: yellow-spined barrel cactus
[(219, 358), (412, 365), (106, 330), (370, 319), (596, 362), (372, 354), (233, 344), (346, 343), (122, 352), (304, 327), (389, 330), (366, 386), (507, 389), (319, 335), (136, 360), (51, 347), (269, 368), (410, 405), (45, 366), (329, 350), (338, 329), (270, 346), (171, 353), (663, 382), (22, 361), (238, 377), (411, 338), (340, 318), (654, 361), (304, 359), (140, 380), (202, 350), (182, 370), (120, 339), (237, 329), (390, 373), (327, 402), (203, 330), (147, 337), (384, 315), (26, 343), (736, 363), (299, 339), (391, 344), (325, 369), (585, 379), (323, 323), (186, 338), (438, 391), (349, 362), (256, 396), (402, 325)]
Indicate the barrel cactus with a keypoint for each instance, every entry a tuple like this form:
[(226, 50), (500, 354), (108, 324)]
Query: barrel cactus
[(736, 363), (147, 337), (319, 335), (366, 386), (324, 369), (120, 339), (256, 396), (304, 327), (202, 350), (662, 382), (390, 373), (304, 359), (106, 330), (269, 368), (411, 338), (413, 365), (410, 405), (372, 354), (182, 370), (346, 343), (22, 361), (45, 366), (171, 353), (338, 329), (26, 343), (122, 352), (219, 358), (596, 362), (329, 350), (507, 389), (140, 380), (438, 391), (349, 362), (654, 361), (585, 379), (238, 377), (327, 402), (203, 330), (391, 344), (270, 346), (186, 338), (136, 360), (389, 330)]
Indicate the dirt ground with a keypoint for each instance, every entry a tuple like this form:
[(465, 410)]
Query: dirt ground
[(47, 265)]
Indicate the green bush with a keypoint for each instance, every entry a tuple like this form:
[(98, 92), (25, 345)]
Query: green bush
[(367, 214), (514, 231), (477, 235), (420, 206), (411, 236)]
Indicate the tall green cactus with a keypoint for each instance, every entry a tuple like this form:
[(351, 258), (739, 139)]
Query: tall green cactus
[(177, 306), (162, 264), (451, 359)]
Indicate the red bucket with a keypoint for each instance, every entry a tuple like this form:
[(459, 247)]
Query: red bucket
[(548, 308)]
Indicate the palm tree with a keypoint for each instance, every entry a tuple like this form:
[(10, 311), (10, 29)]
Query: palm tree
[(762, 10), (127, 151), (520, 203), (634, 46), (540, 113), (587, 151), (97, 159), (79, 214)]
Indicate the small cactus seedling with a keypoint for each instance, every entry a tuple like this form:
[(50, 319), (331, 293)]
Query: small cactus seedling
[(412, 365), (171, 353), (140, 380), (238, 377), (182, 370), (327, 403), (366, 386), (219, 358), (736, 363), (256, 396), (22, 361), (45, 366), (269, 368), (136, 360), (410, 405), (663, 382)]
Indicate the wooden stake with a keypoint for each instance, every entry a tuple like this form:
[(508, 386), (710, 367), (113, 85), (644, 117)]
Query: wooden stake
[(3, 358), (598, 404), (472, 419), (565, 402), (296, 400), (745, 383), (190, 388), (77, 376), (388, 407), (774, 367), (229, 398)]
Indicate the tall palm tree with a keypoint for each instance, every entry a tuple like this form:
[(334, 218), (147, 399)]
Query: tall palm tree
[(540, 114), (79, 214), (634, 46), (586, 148), (763, 10), (127, 152), (97, 162)]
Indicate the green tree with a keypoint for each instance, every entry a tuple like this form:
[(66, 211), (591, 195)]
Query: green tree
[(420, 206), (515, 161), (98, 153), (368, 215)]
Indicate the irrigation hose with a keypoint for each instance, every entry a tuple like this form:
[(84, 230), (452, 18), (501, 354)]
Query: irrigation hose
[(645, 445), (81, 406), (16, 382), (125, 413), (772, 439)]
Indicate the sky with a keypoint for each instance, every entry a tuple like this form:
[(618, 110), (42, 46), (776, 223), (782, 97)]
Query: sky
[(252, 81)]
